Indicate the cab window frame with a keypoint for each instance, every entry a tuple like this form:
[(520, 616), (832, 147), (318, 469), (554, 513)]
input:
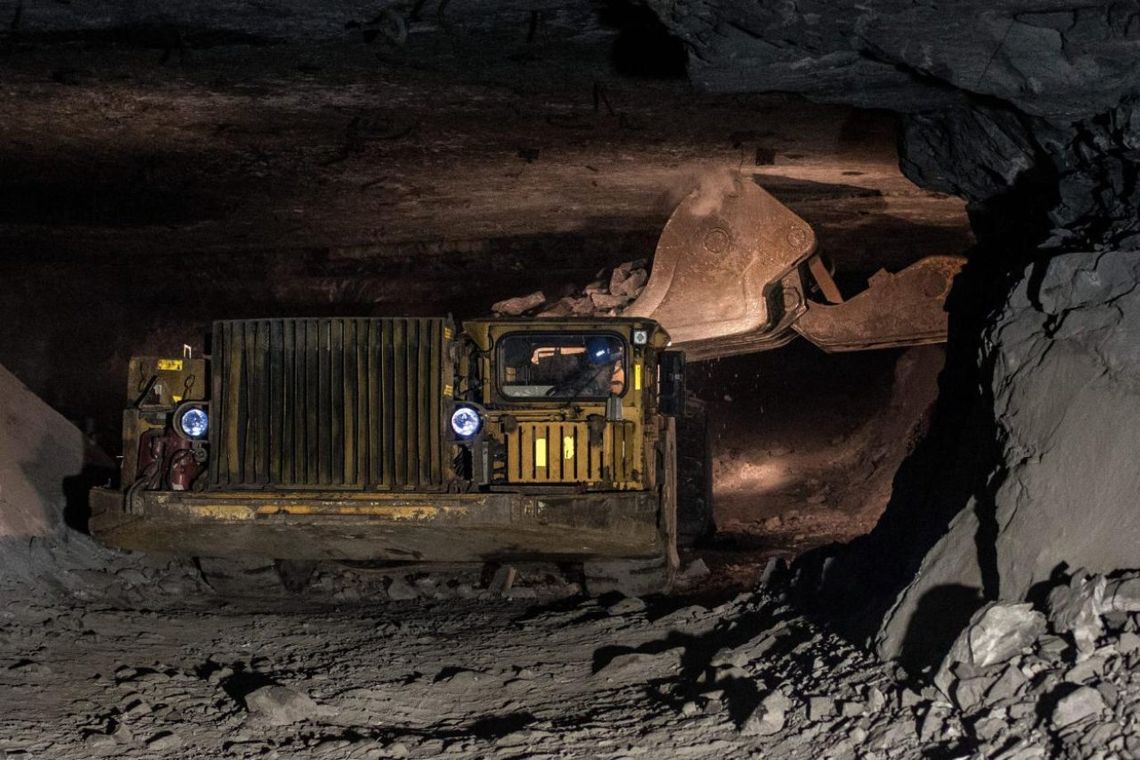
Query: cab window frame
[(500, 366)]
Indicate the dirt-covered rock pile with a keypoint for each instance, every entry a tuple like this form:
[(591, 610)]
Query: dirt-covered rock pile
[(1022, 684), (610, 292)]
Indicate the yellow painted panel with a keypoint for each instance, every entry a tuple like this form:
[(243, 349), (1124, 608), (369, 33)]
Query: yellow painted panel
[(540, 458), (391, 511), (514, 465), (568, 447), (637, 376), (222, 512), (170, 365)]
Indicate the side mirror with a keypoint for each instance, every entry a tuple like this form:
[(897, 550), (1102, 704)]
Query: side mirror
[(671, 391)]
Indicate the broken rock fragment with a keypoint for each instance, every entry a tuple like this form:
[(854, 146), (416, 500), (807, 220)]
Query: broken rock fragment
[(516, 307), (994, 635), (1123, 594), (627, 283), (644, 665), (1076, 609), (820, 708), (1077, 706), (281, 705), (769, 716)]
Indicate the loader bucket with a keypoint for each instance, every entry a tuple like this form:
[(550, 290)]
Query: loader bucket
[(724, 276), (907, 308)]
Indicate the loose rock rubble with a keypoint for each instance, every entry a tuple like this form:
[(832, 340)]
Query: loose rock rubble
[(1016, 689), (483, 673), (609, 293)]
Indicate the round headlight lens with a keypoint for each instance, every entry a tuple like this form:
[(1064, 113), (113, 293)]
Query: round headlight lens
[(194, 422), (466, 422)]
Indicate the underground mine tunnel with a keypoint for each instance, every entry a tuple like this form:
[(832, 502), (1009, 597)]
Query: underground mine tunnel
[(559, 379)]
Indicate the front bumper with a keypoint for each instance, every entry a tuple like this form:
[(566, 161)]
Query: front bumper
[(356, 526)]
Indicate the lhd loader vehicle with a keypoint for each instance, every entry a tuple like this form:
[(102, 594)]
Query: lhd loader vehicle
[(406, 439), (423, 440)]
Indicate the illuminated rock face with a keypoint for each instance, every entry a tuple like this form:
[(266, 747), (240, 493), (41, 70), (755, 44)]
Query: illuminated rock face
[(1067, 399), (1065, 358), (39, 449)]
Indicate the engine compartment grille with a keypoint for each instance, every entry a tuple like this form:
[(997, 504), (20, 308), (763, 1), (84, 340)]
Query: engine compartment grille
[(335, 403)]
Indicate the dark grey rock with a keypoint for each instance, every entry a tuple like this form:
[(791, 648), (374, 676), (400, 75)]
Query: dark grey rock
[(164, 741), (400, 590), (820, 708), (1123, 594), (1076, 706), (769, 716), (968, 693), (1008, 684), (503, 579), (1066, 371), (1086, 670), (995, 634), (627, 605), (696, 570), (1076, 609)]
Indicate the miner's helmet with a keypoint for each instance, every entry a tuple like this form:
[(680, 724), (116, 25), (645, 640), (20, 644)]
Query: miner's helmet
[(599, 351)]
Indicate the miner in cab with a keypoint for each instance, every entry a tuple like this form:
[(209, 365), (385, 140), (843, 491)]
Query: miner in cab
[(398, 439), (408, 439)]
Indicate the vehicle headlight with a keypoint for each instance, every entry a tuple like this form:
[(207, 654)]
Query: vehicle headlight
[(466, 422), (193, 422)]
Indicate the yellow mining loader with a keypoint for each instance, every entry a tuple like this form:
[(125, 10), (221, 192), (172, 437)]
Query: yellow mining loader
[(411, 439)]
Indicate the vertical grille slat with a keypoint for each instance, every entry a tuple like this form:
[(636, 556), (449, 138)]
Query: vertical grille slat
[(435, 421), (329, 403), (336, 402)]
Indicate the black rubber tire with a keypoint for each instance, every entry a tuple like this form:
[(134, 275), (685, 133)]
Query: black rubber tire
[(694, 475)]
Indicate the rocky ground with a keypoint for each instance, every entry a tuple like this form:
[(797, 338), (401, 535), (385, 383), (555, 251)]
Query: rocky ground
[(127, 656)]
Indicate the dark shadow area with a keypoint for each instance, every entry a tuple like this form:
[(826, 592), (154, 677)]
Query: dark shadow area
[(145, 36), (77, 492), (854, 231), (125, 202), (494, 727), (949, 466), (244, 682), (851, 588), (644, 48), (699, 673), (940, 615)]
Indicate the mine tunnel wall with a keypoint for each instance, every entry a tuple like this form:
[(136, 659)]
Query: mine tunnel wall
[(1061, 495)]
